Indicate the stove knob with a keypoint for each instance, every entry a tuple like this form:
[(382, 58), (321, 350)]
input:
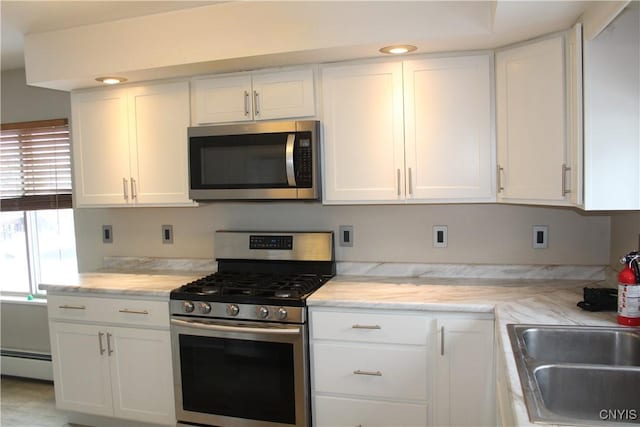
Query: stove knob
[(282, 313), (232, 309), (204, 307), (188, 306), (263, 312)]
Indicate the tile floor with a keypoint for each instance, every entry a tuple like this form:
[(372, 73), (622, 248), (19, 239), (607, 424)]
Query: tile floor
[(29, 403)]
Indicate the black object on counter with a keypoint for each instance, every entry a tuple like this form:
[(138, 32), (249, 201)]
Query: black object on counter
[(599, 299)]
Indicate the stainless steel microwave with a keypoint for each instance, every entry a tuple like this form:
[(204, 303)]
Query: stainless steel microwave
[(256, 161)]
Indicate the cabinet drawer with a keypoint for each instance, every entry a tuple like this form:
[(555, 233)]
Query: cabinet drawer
[(373, 371), (333, 411), (111, 310), (369, 327)]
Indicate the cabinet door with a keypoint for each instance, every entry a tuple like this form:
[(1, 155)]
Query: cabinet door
[(449, 149), (283, 94), (80, 368), (464, 375), (531, 109), (159, 117), (363, 133), (221, 99), (100, 148), (142, 375)]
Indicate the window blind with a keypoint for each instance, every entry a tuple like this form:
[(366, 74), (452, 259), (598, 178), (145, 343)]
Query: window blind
[(35, 165)]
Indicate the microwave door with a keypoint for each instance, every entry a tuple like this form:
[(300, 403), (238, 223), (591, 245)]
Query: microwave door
[(291, 173)]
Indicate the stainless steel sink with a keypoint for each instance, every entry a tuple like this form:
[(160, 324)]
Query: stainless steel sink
[(579, 375), (583, 345), (582, 392)]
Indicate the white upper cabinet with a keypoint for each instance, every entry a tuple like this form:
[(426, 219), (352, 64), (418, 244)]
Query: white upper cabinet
[(531, 123), (449, 151), (417, 131), (130, 146), (612, 115), (258, 96), (363, 133), (159, 117), (100, 147)]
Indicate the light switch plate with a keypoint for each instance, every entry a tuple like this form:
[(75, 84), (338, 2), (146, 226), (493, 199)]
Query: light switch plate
[(167, 234), (346, 235), (107, 234), (440, 237), (540, 237)]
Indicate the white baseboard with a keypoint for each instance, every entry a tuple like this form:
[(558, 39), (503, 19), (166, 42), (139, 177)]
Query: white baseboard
[(26, 367)]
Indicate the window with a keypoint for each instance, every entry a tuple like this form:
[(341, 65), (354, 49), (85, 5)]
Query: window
[(37, 241)]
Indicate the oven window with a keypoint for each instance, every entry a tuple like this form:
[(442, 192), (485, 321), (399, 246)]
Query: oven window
[(238, 378), (240, 161)]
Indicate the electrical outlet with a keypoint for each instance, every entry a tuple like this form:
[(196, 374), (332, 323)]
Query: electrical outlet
[(107, 234), (167, 234), (346, 235), (540, 236), (440, 238)]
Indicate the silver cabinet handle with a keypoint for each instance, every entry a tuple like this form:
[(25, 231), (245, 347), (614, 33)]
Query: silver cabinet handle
[(442, 341), (565, 190), (398, 173), (126, 310), (125, 189), (109, 350), (134, 192), (72, 307), (291, 173), (356, 326), (256, 106), (410, 179), (100, 335), (246, 103), (499, 178), (370, 373)]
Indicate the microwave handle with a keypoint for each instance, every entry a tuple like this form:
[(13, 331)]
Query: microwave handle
[(291, 175)]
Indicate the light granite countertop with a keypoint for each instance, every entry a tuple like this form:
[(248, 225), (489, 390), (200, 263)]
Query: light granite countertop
[(151, 284), (511, 301)]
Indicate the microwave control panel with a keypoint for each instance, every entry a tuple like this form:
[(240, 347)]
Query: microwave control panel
[(303, 159)]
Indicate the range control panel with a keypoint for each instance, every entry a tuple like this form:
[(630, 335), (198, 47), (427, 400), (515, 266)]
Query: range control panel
[(271, 242)]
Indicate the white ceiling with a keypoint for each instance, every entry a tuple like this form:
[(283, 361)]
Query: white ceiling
[(508, 21), (20, 17)]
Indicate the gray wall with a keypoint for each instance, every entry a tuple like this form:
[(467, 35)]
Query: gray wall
[(483, 233), (625, 235), (22, 103)]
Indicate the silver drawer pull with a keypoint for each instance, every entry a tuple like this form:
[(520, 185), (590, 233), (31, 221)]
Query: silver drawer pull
[(356, 326), (73, 307), (126, 310), (370, 373)]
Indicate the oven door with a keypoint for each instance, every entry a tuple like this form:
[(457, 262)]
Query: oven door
[(240, 373)]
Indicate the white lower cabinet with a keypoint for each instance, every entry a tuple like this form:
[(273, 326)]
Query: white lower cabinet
[(464, 375), (341, 411), (392, 368), (108, 370)]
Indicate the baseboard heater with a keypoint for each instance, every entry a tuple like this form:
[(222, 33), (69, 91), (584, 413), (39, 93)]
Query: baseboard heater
[(26, 364)]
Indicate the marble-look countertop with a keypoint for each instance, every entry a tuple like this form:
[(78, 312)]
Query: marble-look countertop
[(151, 284), (511, 301)]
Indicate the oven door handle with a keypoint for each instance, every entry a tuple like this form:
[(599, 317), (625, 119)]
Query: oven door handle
[(291, 174), (241, 329)]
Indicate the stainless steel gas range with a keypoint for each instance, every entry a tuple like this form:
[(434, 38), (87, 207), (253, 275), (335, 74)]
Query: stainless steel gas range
[(239, 336)]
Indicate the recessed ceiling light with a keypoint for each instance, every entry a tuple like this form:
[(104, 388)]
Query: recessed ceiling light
[(398, 49), (111, 80)]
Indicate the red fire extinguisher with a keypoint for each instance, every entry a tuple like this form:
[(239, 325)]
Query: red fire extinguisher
[(629, 291)]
